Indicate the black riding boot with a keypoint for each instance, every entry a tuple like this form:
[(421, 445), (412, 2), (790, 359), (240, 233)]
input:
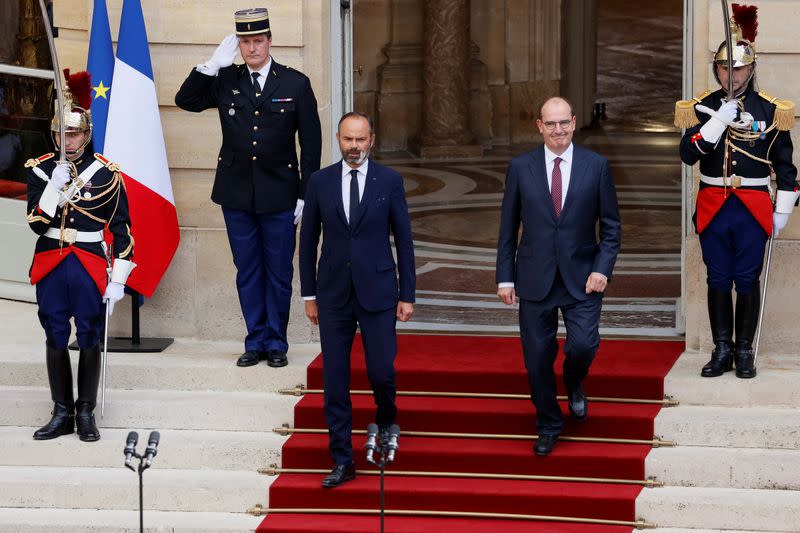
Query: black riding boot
[(59, 373), (747, 306), (88, 379), (720, 314)]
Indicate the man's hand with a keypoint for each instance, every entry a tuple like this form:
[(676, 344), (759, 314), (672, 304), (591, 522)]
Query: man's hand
[(404, 311), (298, 211), (596, 282), (779, 221), (507, 295), (312, 312), (59, 177), (716, 125), (114, 293), (225, 53)]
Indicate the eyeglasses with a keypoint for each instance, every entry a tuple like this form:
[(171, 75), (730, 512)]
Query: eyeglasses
[(551, 124)]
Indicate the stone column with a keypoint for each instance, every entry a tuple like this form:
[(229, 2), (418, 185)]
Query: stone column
[(446, 81)]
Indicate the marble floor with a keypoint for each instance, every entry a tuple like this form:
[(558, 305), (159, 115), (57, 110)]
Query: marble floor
[(455, 204)]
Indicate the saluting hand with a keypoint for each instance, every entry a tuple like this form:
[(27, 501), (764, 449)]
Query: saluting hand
[(225, 52)]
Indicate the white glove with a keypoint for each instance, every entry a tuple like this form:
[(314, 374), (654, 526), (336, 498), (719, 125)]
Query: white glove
[(717, 124), (298, 211), (223, 55), (114, 293), (59, 177), (779, 221)]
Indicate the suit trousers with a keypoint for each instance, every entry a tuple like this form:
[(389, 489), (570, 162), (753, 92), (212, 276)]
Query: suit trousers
[(337, 328), (263, 247), (538, 324)]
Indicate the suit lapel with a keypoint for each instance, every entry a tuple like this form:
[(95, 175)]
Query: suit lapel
[(368, 198), (272, 82), (539, 172), (575, 178)]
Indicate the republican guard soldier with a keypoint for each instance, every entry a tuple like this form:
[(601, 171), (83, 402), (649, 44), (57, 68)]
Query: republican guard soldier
[(742, 142), (70, 206), (263, 107)]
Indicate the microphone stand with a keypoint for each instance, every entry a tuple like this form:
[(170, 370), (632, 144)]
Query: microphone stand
[(143, 465), (382, 448)]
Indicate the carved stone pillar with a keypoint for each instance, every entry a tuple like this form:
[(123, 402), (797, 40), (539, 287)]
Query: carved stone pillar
[(446, 81)]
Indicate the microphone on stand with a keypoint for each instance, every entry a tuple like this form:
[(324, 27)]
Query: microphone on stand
[(371, 446), (152, 447), (392, 446), (130, 447)]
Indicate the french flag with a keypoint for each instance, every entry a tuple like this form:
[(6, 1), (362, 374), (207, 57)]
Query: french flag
[(135, 140)]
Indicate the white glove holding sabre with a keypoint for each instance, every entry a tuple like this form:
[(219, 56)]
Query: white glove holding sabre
[(719, 121)]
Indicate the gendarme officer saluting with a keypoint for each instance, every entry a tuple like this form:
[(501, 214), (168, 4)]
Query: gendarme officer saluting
[(259, 184)]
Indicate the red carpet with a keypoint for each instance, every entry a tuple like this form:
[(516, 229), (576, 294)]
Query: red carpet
[(627, 369)]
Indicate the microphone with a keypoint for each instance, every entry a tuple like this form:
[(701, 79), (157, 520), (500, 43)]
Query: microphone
[(152, 447), (394, 434), (371, 446), (130, 447)]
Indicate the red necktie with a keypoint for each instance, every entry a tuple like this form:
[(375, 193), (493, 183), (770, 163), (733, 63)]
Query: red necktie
[(555, 187)]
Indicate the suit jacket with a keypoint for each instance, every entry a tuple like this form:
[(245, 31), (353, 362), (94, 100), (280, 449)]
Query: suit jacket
[(357, 256), (569, 243), (257, 168)]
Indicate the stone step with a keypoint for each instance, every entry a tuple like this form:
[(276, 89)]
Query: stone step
[(730, 427), (742, 468), (186, 365), (179, 449), (162, 410), (80, 520), (775, 385), (720, 508), (118, 488)]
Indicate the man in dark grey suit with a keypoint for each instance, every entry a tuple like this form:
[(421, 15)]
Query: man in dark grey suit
[(559, 192)]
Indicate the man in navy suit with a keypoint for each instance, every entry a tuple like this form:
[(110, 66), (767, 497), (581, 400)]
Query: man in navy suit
[(357, 203), (559, 192)]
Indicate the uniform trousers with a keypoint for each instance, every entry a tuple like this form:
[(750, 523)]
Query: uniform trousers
[(263, 247), (733, 246), (68, 291)]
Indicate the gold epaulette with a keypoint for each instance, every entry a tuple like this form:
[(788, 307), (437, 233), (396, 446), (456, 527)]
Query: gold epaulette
[(685, 117), (784, 111), (113, 167), (30, 163)]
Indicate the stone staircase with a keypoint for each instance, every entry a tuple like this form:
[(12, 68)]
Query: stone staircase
[(737, 463), (215, 421)]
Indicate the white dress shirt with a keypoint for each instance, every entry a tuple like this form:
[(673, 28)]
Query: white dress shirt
[(264, 71), (346, 177)]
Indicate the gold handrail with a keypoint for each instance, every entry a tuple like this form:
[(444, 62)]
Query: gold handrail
[(259, 510), (274, 470), (300, 390), (655, 442)]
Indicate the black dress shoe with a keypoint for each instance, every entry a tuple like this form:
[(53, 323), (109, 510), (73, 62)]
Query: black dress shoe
[(545, 444), (339, 475), (62, 423), (578, 404), (250, 358), (84, 420), (276, 358)]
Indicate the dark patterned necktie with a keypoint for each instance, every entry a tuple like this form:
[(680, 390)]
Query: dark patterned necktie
[(354, 201), (555, 186)]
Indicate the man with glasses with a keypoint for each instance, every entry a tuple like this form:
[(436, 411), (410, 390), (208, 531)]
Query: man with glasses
[(558, 192)]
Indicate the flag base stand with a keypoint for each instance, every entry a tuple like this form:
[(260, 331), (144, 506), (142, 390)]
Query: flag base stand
[(135, 343)]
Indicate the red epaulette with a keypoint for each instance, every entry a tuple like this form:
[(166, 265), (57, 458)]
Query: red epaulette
[(113, 167), (39, 160)]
